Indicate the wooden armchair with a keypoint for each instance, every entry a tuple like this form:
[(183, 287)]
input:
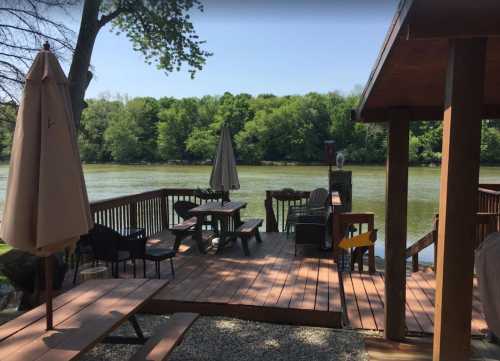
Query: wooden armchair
[(349, 225), (316, 206)]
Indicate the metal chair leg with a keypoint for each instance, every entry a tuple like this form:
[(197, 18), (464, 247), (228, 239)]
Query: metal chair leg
[(172, 267), (144, 267), (158, 269), (77, 265)]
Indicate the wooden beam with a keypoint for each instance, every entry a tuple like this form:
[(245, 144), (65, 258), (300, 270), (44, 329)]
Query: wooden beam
[(458, 198), (379, 115), (395, 228)]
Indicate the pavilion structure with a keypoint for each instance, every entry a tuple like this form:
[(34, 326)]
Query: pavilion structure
[(439, 61)]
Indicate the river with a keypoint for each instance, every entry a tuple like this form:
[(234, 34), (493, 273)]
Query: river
[(106, 181)]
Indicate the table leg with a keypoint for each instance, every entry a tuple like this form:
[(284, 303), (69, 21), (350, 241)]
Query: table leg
[(237, 220), (198, 235), (223, 233), (128, 340)]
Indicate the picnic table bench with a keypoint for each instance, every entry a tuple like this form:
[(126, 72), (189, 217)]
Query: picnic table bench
[(247, 230), (83, 316)]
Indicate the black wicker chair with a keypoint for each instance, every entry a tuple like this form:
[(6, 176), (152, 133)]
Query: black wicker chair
[(110, 247)]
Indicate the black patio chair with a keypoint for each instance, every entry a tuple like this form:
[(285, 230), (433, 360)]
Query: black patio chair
[(110, 247), (139, 251), (83, 250)]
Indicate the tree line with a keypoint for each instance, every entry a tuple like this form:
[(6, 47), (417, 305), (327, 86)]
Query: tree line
[(264, 128)]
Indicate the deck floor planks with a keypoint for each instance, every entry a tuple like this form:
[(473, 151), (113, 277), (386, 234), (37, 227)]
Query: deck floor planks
[(183, 287), (478, 324), (279, 282), (421, 317), (376, 303), (226, 289), (227, 271), (191, 265), (287, 292), (276, 279), (206, 282), (297, 290), (321, 303), (366, 313), (420, 304), (258, 290), (334, 294), (353, 314), (253, 270), (310, 291)]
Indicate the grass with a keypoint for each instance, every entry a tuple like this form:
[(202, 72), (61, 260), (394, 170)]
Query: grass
[(3, 248)]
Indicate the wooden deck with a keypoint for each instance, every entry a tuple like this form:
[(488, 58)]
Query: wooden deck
[(364, 300), (275, 286), (271, 285)]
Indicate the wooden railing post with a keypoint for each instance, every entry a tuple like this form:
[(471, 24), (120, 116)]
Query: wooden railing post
[(271, 223), (414, 262), (164, 210), (133, 215)]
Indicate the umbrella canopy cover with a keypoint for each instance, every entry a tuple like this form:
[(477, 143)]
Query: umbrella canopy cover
[(46, 207), (224, 175)]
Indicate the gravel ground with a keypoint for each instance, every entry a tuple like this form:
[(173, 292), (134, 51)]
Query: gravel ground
[(217, 338)]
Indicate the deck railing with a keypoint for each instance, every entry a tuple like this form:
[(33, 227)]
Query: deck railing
[(489, 200), (153, 210), (488, 221), (277, 204)]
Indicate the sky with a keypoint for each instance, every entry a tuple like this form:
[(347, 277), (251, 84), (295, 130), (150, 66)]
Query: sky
[(273, 46)]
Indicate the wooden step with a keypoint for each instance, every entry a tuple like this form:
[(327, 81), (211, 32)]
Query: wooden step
[(165, 338)]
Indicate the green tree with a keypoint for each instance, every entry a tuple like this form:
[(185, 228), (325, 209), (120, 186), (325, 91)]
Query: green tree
[(490, 144), (95, 121), (7, 125), (174, 126), (144, 112), (122, 138)]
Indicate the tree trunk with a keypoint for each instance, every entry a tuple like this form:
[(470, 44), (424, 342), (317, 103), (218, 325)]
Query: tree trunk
[(79, 74)]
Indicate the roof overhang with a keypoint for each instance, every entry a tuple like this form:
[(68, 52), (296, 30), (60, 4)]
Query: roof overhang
[(410, 70)]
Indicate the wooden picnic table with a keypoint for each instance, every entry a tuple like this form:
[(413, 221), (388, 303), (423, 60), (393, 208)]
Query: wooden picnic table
[(225, 212), (83, 316)]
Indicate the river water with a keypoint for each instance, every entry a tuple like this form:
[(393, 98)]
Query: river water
[(106, 181)]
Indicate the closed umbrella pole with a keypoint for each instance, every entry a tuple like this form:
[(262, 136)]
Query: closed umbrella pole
[(46, 206), (48, 291), (224, 175)]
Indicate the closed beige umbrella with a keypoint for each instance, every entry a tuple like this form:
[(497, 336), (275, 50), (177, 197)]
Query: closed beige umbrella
[(46, 206), (224, 175)]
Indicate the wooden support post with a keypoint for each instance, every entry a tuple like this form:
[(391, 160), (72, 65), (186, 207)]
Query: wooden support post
[(458, 198), (395, 229)]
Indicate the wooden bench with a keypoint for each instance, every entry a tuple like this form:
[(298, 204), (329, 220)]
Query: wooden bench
[(247, 230), (166, 337), (182, 230)]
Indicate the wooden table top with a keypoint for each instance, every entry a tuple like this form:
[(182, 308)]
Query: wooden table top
[(83, 316), (227, 208)]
